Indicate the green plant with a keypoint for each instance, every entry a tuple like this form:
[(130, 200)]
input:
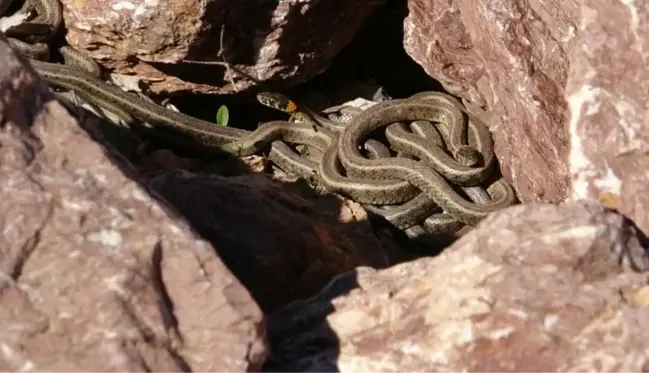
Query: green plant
[(222, 116)]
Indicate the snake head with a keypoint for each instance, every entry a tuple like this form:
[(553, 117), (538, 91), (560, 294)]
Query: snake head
[(277, 101), (468, 156)]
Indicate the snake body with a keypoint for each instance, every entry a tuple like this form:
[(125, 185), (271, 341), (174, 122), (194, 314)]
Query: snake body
[(454, 130), (416, 173), (378, 190)]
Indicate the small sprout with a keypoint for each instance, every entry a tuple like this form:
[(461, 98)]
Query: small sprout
[(222, 116)]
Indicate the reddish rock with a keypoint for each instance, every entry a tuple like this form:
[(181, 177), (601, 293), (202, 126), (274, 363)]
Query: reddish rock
[(608, 91), (532, 288), (96, 274), (514, 58), (287, 42), (510, 58)]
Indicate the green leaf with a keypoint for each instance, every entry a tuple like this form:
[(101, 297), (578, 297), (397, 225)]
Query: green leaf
[(222, 116)]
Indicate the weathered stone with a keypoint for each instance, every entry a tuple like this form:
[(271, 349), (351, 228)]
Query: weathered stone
[(96, 274), (509, 57), (608, 91), (287, 42), (284, 243), (515, 57), (532, 288)]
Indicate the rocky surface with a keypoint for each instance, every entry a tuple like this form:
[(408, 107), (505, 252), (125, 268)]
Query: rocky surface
[(532, 288), (563, 86), (607, 92), (510, 58), (276, 236), (96, 274), (279, 41)]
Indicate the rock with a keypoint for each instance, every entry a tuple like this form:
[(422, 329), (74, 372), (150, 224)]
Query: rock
[(607, 92), (273, 236), (510, 58), (286, 42), (96, 274), (535, 287), (514, 58)]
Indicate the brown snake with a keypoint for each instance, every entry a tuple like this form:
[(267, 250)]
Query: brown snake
[(365, 187)]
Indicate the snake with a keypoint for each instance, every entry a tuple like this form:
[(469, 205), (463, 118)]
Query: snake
[(420, 206), (414, 172), (460, 169)]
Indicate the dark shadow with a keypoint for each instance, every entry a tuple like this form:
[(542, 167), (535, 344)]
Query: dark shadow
[(307, 319), (636, 253), (376, 53)]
